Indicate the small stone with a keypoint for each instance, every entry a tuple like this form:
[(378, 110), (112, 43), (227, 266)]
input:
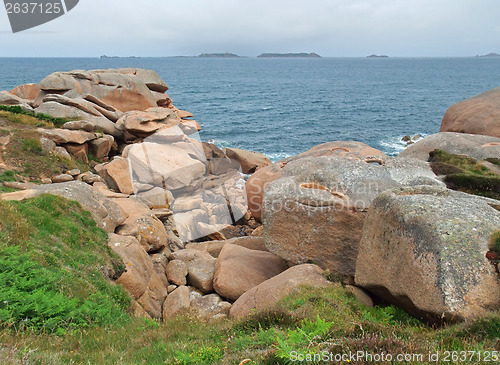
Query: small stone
[(171, 288), (62, 178), (74, 172)]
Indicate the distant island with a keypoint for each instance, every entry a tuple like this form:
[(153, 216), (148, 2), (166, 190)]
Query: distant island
[(490, 55), (219, 55), (377, 56), (104, 56), (289, 55)]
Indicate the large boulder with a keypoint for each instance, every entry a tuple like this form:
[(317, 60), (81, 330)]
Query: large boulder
[(142, 224), (140, 278), (257, 183), (210, 306), (315, 212), (176, 302), (239, 269), (26, 91), (250, 161), (145, 123), (120, 89), (266, 295), (471, 145), (425, 249), (63, 136), (117, 175), (107, 214), (168, 157), (477, 115)]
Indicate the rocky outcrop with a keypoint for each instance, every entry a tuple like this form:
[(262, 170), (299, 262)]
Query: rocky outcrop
[(471, 145), (425, 249), (239, 269), (315, 212), (257, 183), (266, 295), (477, 115)]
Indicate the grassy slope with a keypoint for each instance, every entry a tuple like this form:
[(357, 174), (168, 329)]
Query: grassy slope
[(24, 153), (54, 268)]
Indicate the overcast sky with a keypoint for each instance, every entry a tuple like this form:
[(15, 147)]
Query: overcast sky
[(333, 28)]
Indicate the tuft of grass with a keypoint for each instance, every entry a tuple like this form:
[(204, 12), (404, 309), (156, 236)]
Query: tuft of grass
[(494, 243), (54, 266), (17, 114), (465, 174)]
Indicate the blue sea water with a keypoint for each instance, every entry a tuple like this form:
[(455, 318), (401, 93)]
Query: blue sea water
[(282, 107)]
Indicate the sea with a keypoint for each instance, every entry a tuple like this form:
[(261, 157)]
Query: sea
[(284, 106)]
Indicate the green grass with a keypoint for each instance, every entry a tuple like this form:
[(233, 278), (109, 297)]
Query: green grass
[(494, 243), (17, 114), (465, 174), (53, 261)]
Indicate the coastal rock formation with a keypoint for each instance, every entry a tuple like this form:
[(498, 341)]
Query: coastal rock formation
[(477, 115), (120, 102), (267, 294), (471, 145), (239, 269), (315, 212), (258, 182), (425, 249)]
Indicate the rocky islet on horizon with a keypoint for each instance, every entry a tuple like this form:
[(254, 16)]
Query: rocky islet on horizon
[(387, 225)]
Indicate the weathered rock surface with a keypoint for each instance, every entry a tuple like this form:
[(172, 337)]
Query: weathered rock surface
[(140, 278), (250, 161), (477, 115), (315, 212), (214, 247), (26, 91), (145, 123), (201, 268), (210, 306), (62, 136), (176, 302), (142, 224), (177, 271), (471, 145), (424, 249), (257, 183), (117, 175), (107, 214), (267, 294), (239, 269)]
